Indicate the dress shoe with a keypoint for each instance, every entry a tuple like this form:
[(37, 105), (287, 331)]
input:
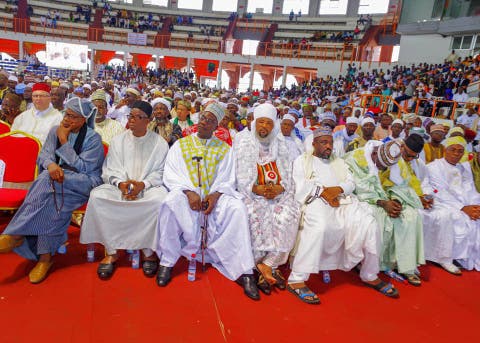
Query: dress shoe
[(8, 243), (263, 285), (164, 276), (281, 283), (39, 272), (106, 270), (247, 281), (150, 268)]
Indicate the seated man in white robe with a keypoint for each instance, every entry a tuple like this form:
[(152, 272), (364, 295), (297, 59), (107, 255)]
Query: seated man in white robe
[(38, 120), (337, 231), (342, 138), (200, 175), (294, 144), (121, 111), (457, 238), (122, 213), (264, 178)]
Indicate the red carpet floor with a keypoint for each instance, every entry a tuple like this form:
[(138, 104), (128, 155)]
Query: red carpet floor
[(73, 305)]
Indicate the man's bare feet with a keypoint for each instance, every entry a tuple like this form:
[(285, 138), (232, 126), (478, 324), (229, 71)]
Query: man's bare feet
[(266, 271)]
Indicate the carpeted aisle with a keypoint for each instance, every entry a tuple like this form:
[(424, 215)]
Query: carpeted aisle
[(73, 305)]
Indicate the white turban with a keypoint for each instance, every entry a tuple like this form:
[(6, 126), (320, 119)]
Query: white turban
[(397, 121), (352, 120), (265, 111), (367, 120), (289, 117), (164, 101)]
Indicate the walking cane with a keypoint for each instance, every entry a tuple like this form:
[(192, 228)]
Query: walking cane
[(204, 206)]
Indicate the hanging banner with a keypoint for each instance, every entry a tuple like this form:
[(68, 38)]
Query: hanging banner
[(137, 38)]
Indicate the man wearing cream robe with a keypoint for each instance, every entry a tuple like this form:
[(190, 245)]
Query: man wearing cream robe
[(457, 237), (128, 220), (334, 234)]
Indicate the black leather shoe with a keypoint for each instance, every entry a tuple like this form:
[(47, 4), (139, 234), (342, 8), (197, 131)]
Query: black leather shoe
[(247, 281), (164, 276), (106, 270), (150, 268), (263, 285)]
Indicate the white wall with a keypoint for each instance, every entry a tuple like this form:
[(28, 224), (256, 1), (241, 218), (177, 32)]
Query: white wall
[(423, 48)]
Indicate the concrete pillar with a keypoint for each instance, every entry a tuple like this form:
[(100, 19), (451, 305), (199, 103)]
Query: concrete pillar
[(125, 59), (92, 64), (157, 61), (277, 8), (20, 49), (189, 64), (284, 76), (352, 8), (172, 4), (252, 71), (137, 3), (207, 6), (219, 75), (241, 8), (313, 8)]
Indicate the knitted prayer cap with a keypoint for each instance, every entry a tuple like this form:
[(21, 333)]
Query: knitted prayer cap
[(322, 131), (289, 117), (436, 127), (367, 120), (389, 153), (99, 95), (217, 110)]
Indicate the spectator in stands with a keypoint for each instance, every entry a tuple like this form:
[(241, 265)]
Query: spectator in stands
[(453, 57), (70, 164), (121, 111), (460, 96), (291, 15)]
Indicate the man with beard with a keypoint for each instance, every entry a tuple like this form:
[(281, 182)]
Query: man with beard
[(336, 231), (161, 121), (122, 213), (199, 173), (121, 111), (264, 178), (368, 127), (342, 138), (106, 127), (10, 108), (58, 98), (295, 145), (396, 131), (27, 98)]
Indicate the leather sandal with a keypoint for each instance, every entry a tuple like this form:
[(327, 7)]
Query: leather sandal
[(106, 270), (164, 276), (302, 293)]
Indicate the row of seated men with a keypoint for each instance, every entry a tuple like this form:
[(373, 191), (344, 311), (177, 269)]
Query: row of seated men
[(379, 208)]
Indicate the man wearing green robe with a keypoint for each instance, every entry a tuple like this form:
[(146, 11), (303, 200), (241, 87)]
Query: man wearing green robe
[(396, 210)]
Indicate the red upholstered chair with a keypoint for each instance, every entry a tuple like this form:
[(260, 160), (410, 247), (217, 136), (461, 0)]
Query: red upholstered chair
[(19, 151), (4, 127), (83, 208)]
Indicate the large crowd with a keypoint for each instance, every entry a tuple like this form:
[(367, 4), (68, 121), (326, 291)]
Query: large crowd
[(319, 174)]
